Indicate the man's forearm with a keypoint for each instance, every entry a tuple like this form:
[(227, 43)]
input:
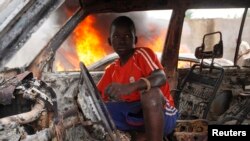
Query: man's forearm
[(156, 79)]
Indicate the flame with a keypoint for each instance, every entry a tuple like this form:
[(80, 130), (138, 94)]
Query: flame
[(88, 42), (156, 45), (153, 38), (89, 45), (184, 64), (59, 66)]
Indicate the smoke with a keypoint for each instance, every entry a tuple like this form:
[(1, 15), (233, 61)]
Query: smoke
[(148, 29), (151, 32), (40, 38), (148, 32)]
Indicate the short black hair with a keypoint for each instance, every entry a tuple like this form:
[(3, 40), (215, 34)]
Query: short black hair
[(123, 21)]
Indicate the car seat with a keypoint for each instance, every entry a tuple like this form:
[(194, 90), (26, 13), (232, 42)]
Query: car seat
[(196, 93)]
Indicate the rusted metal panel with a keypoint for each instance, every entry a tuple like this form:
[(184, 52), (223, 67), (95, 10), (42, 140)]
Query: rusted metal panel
[(186, 136), (172, 44), (191, 130), (199, 125)]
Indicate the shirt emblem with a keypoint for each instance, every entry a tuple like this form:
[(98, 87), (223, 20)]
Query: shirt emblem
[(131, 79)]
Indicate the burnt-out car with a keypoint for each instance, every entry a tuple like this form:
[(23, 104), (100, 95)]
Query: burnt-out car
[(45, 90), (185, 60)]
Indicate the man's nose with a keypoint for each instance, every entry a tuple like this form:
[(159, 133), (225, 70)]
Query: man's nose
[(123, 39)]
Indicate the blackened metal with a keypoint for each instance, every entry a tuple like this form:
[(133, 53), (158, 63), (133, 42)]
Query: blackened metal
[(24, 75), (16, 18), (12, 41), (198, 90), (81, 3), (218, 4), (103, 6), (8, 87), (71, 112), (101, 113), (238, 111), (53, 97), (46, 55), (6, 94), (64, 32), (239, 36)]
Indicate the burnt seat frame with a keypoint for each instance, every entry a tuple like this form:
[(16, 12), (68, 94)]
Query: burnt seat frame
[(199, 87), (197, 91)]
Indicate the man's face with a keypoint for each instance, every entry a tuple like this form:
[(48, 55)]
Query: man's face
[(122, 39)]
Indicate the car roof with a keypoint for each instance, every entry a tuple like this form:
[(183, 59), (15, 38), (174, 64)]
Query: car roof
[(11, 43)]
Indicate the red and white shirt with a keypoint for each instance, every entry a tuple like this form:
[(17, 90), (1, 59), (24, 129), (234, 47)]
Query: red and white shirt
[(143, 62)]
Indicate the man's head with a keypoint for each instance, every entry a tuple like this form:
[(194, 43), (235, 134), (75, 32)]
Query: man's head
[(122, 35)]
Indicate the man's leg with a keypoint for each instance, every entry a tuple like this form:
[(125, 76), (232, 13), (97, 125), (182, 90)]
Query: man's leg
[(153, 114)]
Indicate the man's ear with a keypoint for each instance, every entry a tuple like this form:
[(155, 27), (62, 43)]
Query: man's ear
[(135, 39), (109, 41)]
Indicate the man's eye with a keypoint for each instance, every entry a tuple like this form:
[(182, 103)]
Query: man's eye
[(115, 36), (127, 36)]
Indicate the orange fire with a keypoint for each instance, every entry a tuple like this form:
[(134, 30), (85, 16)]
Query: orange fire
[(90, 45), (59, 66), (88, 42), (156, 42), (87, 45), (184, 64)]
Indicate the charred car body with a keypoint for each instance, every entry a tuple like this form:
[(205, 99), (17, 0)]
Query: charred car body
[(39, 103)]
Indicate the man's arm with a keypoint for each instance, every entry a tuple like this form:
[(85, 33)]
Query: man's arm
[(156, 79)]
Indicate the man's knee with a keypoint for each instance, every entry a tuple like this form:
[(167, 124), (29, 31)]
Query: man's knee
[(152, 99)]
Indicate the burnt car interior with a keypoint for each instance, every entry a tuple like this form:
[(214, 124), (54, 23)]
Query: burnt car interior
[(39, 103), (201, 85)]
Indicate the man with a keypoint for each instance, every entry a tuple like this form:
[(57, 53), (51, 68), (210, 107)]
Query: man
[(244, 55), (135, 86)]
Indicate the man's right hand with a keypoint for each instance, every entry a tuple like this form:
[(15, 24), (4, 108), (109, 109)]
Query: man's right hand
[(115, 90)]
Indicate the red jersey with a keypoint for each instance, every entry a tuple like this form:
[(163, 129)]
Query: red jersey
[(142, 63)]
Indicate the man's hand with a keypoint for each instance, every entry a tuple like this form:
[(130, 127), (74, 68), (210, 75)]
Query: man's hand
[(115, 90)]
